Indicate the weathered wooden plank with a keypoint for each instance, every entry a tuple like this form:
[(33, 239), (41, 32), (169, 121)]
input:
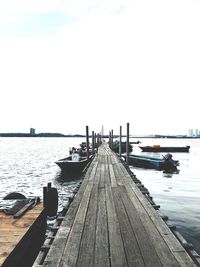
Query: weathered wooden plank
[(56, 251), (133, 254), (5, 250), (117, 252), (102, 176), (14, 233), (112, 176), (151, 217), (101, 250), (22, 211), (93, 172), (160, 245), (71, 251), (95, 179), (107, 171), (8, 237), (86, 250), (15, 224), (147, 248), (110, 223), (180, 249)]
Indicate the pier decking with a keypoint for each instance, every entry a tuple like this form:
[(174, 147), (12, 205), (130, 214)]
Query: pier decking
[(21, 237), (111, 223)]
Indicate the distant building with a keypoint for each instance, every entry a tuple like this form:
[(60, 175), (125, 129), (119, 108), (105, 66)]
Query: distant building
[(190, 132), (32, 131), (194, 132)]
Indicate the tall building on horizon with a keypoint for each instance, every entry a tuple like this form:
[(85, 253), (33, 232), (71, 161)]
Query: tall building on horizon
[(32, 131), (194, 132)]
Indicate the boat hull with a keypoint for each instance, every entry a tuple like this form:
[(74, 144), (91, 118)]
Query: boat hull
[(152, 163), (69, 166), (164, 149), (116, 144)]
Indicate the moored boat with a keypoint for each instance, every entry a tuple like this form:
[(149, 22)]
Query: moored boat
[(165, 163), (135, 142), (158, 148), (115, 147), (73, 164)]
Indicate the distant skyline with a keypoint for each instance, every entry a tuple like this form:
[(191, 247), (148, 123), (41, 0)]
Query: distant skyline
[(66, 64), (32, 131)]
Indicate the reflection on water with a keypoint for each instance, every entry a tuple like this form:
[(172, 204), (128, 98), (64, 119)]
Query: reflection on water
[(63, 176), (167, 174)]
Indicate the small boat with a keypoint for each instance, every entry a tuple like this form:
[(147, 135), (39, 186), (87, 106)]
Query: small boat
[(135, 142), (165, 163), (73, 164), (115, 147), (158, 148)]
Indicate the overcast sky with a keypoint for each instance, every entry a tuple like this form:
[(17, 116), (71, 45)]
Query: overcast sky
[(65, 64)]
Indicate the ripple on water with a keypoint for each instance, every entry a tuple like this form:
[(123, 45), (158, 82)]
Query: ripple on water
[(28, 164)]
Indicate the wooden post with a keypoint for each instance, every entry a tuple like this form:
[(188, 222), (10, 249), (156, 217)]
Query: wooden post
[(93, 142), (49, 186), (95, 139), (45, 191), (87, 141), (102, 132), (120, 141), (127, 144), (111, 139), (44, 196)]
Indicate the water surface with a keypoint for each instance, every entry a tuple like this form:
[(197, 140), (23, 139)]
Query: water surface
[(28, 164)]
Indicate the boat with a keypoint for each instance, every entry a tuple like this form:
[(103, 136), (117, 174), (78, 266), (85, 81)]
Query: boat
[(115, 147), (135, 142), (73, 164), (158, 148), (165, 163), (23, 225)]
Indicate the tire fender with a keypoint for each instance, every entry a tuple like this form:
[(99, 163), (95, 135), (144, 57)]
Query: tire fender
[(14, 195)]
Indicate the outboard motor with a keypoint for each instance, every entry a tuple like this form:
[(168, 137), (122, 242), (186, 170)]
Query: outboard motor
[(168, 156)]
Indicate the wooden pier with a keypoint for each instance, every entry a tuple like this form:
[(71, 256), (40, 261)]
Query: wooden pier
[(21, 237), (111, 223)]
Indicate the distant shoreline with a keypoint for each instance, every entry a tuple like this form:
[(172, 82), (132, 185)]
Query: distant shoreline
[(38, 135), (80, 135)]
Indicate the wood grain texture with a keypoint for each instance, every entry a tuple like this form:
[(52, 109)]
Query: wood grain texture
[(111, 223)]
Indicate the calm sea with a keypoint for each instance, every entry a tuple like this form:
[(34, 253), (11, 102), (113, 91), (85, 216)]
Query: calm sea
[(177, 194), (28, 164)]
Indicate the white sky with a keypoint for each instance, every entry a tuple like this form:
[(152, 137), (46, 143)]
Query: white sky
[(65, 64)]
